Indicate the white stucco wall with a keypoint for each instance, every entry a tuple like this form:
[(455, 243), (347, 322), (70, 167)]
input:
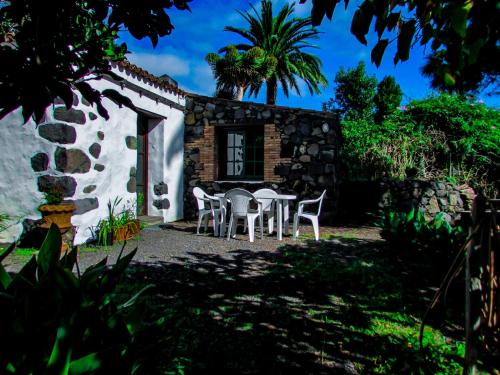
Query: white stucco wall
[(19, 195)]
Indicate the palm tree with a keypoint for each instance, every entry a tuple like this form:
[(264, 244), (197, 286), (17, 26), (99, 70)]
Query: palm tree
[(282, 38), (236, 71)]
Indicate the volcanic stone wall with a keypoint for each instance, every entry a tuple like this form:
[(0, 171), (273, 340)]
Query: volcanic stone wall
[(362, 200), (430, 197), (300, 149)]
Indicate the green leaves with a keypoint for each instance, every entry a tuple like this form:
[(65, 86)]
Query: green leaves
[(354, 92), (449, 79), (361, 21), (55, 322), (378, 51), (411, 231), (282, 37), (466, 30), (405, 37), (459, 18), (72, 40), (5, 278), (50, 250), (85, 365)]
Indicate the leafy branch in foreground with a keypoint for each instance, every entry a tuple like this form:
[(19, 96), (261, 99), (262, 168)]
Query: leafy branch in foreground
[(463, 35), (50, 48)]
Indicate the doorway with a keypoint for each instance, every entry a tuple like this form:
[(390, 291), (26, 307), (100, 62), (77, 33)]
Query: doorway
[(142, 165)]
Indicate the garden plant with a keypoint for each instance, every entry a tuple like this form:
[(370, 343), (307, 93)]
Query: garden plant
[(55, 321)]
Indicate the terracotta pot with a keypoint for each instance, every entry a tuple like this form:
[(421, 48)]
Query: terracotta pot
[(127, 232), (59, 214)]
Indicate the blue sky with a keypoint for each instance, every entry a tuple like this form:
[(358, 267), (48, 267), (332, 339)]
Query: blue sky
[(181, 54)]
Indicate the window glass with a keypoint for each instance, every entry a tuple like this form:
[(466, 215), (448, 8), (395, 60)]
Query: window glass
[(238, 139), (244, 153), (238, 154)]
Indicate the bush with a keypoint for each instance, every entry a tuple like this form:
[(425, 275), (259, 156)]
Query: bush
[(53, 321), (413, 232), (392, 150), (441, 137)]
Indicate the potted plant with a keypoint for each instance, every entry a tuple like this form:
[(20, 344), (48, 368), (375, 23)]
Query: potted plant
[(126, 226), (117, 227), (54, 210)]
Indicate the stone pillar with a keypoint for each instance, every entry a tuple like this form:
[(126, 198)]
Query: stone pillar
[(208, 155), (272, 150)]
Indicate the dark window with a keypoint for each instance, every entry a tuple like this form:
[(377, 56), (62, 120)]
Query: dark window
[(241, 153)]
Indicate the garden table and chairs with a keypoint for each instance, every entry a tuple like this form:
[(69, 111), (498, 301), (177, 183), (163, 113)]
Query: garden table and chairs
[(282, 208), (208, 206), (241, 204)]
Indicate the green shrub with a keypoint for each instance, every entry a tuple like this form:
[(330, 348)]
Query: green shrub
[(413, 232), (55, 195), (441, 137), (55, 322)]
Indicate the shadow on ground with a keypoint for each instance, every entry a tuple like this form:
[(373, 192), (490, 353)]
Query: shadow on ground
[(340, 306)]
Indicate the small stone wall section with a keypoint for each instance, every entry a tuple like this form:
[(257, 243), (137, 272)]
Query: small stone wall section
[(70, 160), (430, 197), (300, 149), (162, 203)]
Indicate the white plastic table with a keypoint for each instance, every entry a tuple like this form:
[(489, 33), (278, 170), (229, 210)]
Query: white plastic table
[(282, 214)]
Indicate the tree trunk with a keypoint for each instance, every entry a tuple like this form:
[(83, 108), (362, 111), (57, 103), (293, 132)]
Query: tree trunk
[(272, 88), (239, 93)]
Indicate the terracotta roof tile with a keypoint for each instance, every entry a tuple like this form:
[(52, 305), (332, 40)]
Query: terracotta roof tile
[(150, 78)]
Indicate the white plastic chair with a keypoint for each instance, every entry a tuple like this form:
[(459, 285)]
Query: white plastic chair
[(204, 213), (313, 217), (268, 205), (240, 209)]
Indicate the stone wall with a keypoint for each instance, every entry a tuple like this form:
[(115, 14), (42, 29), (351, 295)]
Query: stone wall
[(430, 197), (300, 149)]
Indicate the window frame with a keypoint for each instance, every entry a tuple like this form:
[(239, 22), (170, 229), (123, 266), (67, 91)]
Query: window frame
[(223, 147)]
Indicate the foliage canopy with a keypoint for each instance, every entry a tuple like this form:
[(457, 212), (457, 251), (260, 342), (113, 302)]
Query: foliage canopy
[(238, 70), (51, 47), (282, 38), (463, 34), (388, 98), (354, 93)]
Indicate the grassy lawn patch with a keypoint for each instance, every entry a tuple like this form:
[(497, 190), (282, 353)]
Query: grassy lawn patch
[(344, 306), (27, 252)]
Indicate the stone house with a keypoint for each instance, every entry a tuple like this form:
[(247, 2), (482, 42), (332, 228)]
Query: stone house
[(171, 143), (96, 160), (242, 144)]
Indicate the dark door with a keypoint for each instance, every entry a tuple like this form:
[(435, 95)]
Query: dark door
[(142, 165)]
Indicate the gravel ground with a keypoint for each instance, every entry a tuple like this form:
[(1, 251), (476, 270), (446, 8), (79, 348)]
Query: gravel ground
[(175, 242)]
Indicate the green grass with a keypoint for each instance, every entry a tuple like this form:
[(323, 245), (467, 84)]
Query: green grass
[(311, 308), (26, 252), (90, 249), (346, 235)]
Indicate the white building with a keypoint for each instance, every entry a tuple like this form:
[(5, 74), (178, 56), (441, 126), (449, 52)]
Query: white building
[(96, 160)]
